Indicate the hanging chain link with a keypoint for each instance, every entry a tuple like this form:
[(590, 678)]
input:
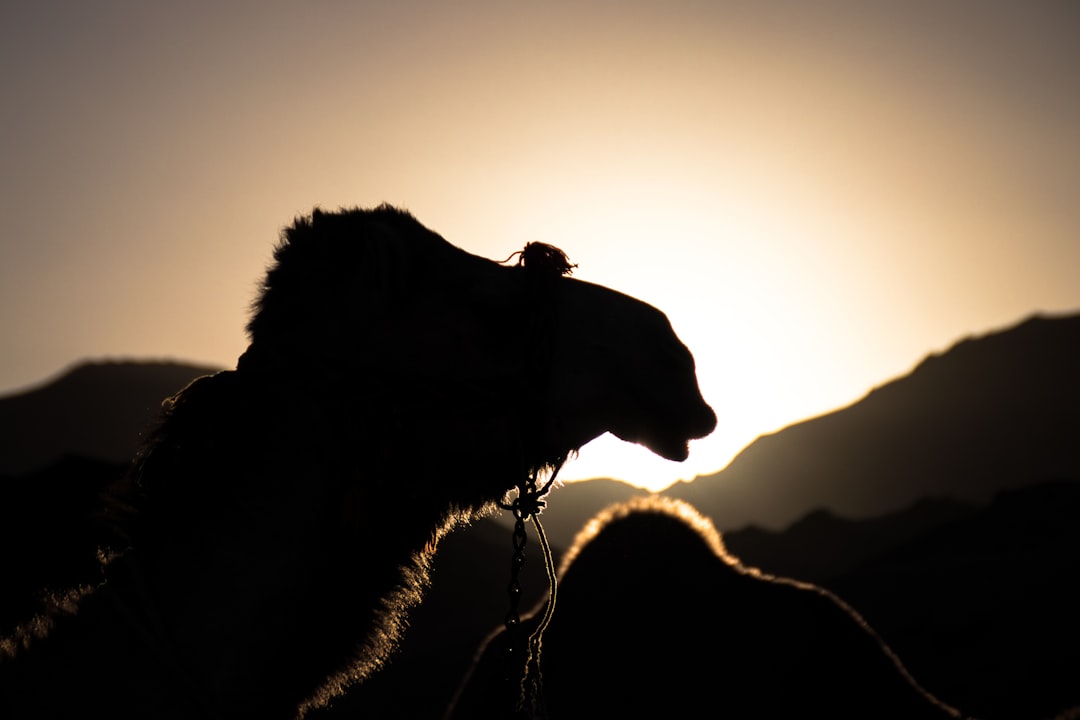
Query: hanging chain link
[(524, 657)]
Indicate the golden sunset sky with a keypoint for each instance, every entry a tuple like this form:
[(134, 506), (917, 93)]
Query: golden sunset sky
[(818, 194)]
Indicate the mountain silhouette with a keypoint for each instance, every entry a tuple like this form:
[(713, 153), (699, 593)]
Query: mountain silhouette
[(983, 609), (995, 412), (94, 410), (823, 546)]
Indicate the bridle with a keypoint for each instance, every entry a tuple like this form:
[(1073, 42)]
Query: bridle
[(543, 265)]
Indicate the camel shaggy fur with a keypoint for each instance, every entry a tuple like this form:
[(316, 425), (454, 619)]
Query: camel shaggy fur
[(654, 618), (279, 522)]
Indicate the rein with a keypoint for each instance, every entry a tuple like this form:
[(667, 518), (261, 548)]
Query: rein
[(543, 265), (528, 506)]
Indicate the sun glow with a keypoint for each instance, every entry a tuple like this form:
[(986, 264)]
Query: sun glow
[(706, 262)]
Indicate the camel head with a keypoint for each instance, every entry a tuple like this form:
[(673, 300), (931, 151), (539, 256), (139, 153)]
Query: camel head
[(619, 368), (448, 365)]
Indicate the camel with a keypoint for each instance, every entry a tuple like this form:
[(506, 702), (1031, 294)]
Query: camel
[(654, 618), (279, 522)]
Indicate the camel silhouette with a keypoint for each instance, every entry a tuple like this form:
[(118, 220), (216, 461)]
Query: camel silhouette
[(654, 618), (278, 523)]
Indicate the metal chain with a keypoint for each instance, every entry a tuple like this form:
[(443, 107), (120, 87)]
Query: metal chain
[(517, 561), (524, 657)]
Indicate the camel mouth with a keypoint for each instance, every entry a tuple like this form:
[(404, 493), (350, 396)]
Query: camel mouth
[(675, 445), (675, 451), (671, 447)]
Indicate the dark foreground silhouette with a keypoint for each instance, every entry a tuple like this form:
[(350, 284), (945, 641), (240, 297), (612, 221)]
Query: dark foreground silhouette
[(654, 618), (275, 528)]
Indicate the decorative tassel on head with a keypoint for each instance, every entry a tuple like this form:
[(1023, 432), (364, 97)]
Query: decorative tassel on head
[(543, 258)]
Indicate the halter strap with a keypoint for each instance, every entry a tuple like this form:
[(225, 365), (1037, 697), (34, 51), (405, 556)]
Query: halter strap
[(543, 264)]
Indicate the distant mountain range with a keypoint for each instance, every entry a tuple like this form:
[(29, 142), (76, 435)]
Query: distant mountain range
[(95, 410), (995, 412)]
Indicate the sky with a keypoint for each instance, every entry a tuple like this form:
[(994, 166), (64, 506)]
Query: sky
[(818, 194)]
